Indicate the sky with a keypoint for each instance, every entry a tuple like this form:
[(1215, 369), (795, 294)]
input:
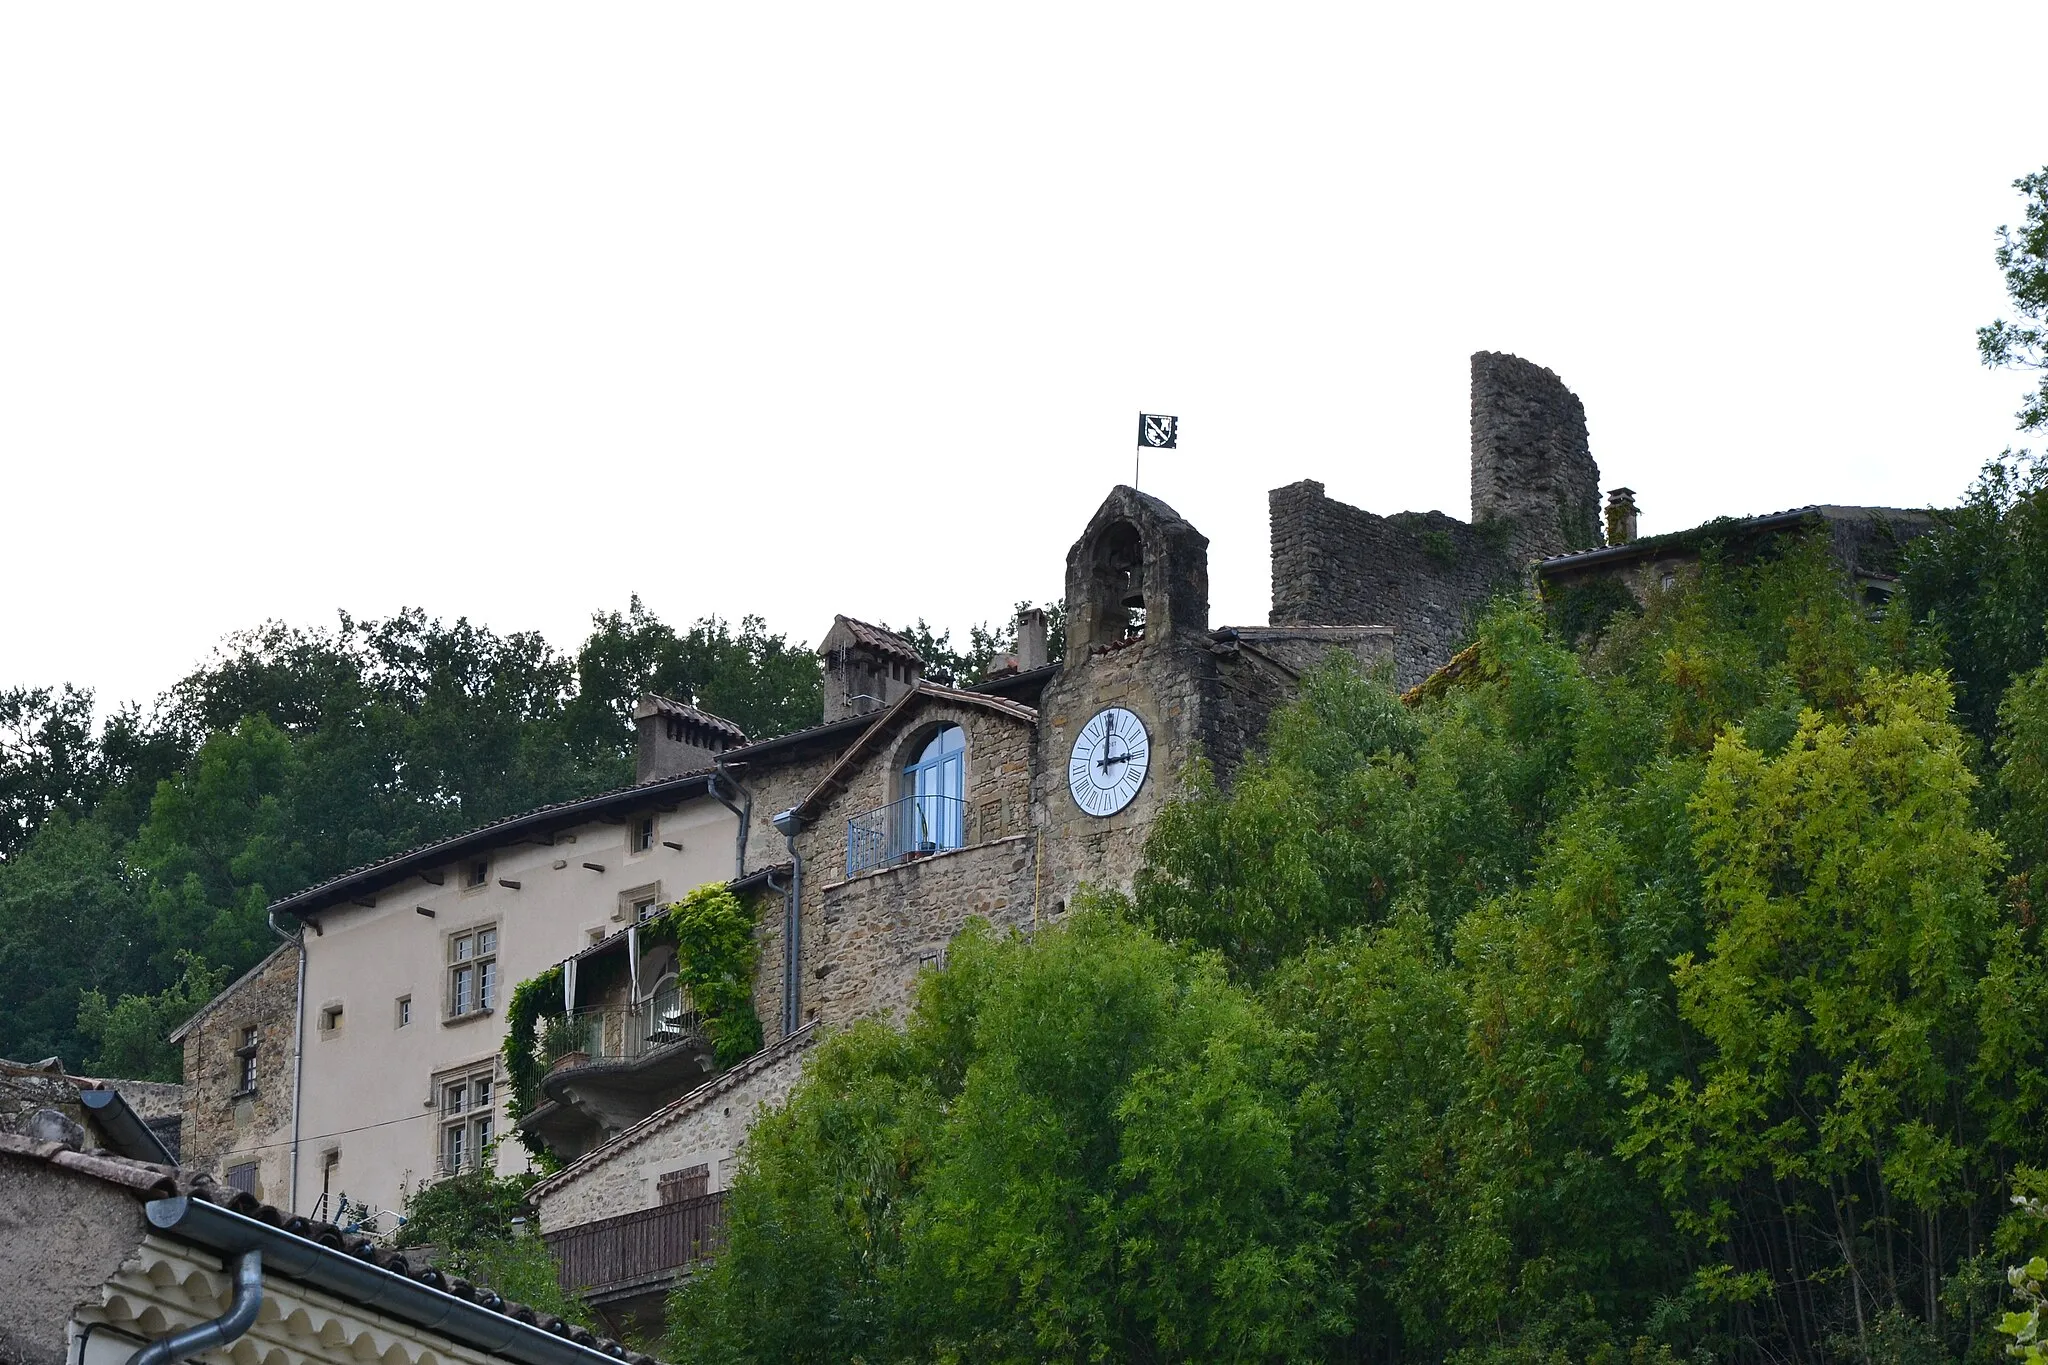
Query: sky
[(512, 311)]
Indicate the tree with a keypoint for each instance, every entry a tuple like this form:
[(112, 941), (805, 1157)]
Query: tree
[(1087, 1146), (73, 918), (2023, 257), (133, 1034), (47, 759)]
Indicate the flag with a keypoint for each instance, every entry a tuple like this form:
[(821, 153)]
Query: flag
[(1157, 431)]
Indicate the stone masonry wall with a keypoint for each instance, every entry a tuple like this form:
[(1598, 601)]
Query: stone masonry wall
[(705, 1127), (1532, 469), (998, 804), (223, 1126), (881, 929), (1425, 574)]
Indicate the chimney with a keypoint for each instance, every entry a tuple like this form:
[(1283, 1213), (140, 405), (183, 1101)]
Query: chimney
[(672, 737), (1621, 515), (1031, 640), (866, 668)]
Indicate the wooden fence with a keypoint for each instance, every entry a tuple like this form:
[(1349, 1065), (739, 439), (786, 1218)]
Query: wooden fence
[(637, 1247)]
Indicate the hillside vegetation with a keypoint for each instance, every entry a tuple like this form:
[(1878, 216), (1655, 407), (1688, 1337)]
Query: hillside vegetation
[(1681, 998)]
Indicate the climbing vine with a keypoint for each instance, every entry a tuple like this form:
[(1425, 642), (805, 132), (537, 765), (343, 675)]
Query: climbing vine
[(712, 931)]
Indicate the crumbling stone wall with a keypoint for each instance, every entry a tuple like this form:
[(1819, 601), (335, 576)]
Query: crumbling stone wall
[(1535, 493), (879, 930), (1423, 573), (1533, 474), (224, 1126)]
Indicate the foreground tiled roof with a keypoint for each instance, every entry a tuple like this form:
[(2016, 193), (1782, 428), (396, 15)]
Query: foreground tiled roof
[(147, 1181), (1736, 526)]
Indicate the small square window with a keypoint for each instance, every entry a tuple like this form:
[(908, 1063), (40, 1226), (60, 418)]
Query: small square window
[(643, 834), (330, 1018), (477, 872), (243, 1177), (404, 1010), (643, 910)]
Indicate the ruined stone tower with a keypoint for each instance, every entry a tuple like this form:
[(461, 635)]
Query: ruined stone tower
[(1532, 469), (1535, 493)]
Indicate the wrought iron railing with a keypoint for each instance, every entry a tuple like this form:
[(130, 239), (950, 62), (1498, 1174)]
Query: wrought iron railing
[(905, 828), (624, 1032), (637, 1247)]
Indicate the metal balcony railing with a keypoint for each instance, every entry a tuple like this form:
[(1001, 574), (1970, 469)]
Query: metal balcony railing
[(624, 1032), (634, 1248), (905, 828)]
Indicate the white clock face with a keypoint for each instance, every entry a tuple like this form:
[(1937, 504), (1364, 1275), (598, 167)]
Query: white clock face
[(1108, 765)]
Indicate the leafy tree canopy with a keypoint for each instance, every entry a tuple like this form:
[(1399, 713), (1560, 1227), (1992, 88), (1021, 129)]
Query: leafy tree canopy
[(2023, 257)]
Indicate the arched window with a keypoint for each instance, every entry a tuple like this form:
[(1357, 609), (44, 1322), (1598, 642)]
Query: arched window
[(933, 804)]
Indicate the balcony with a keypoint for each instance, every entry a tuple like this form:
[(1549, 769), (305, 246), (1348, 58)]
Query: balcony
[(628, 1062), (910, 827), (625, 1266)]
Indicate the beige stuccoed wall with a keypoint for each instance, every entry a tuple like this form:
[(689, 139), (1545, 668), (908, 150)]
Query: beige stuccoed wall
[(705, 1127), (368, 1087)]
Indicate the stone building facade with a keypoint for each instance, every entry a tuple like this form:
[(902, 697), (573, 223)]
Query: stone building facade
[(239, 1076)]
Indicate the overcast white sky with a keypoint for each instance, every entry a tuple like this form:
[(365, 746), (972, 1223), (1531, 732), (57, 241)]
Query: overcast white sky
[(510, 311)]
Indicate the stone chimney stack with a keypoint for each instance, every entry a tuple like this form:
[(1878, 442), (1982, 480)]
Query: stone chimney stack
[(1621, 515), (1032, 649), (866, 668), (673, 737)]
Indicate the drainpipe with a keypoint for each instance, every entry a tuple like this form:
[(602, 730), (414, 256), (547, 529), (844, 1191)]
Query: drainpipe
[(298, 940), (721, 773), (228, 1327), (788, 824)]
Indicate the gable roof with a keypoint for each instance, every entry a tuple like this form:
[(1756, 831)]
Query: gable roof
[(897, 712)]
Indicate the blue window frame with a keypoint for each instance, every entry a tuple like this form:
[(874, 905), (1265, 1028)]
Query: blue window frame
[(935, 794)]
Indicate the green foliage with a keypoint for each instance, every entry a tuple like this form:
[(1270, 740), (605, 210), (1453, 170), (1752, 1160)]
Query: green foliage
[(2023, 257), (469, 1221), (1980, 583), (713, 934), (1088, 1147), (132, 1035), (1579, 613), (532, 1000)]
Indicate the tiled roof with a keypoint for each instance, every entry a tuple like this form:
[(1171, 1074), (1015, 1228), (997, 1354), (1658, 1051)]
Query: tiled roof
[(1644, 546), (875, 637), (148, 1181)]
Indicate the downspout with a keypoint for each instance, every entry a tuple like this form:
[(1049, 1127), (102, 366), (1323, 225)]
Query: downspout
[(215, 1332), (789, 824), (298, 940), (721, 773)]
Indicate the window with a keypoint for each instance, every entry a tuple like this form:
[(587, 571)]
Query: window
[(330, 1018), (468, 1119), (243, 1177), (643, 834), (673, 1187), (404, 1010), (476, 873), (472, 971), (643, 909), (934, 794), (246, 1057)]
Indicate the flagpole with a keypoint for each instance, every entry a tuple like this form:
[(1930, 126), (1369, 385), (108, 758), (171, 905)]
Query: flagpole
[(1138, 454)]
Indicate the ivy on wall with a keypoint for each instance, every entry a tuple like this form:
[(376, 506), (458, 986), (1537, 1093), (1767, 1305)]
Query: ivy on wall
[(712, 931)]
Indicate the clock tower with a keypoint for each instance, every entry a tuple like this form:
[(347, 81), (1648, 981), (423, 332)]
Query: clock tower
[(1144, 687)]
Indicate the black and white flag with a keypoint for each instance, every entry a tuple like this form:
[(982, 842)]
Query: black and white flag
[(1157, 431)]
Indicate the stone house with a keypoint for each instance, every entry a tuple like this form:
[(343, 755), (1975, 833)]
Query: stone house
[(106, 1258)]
